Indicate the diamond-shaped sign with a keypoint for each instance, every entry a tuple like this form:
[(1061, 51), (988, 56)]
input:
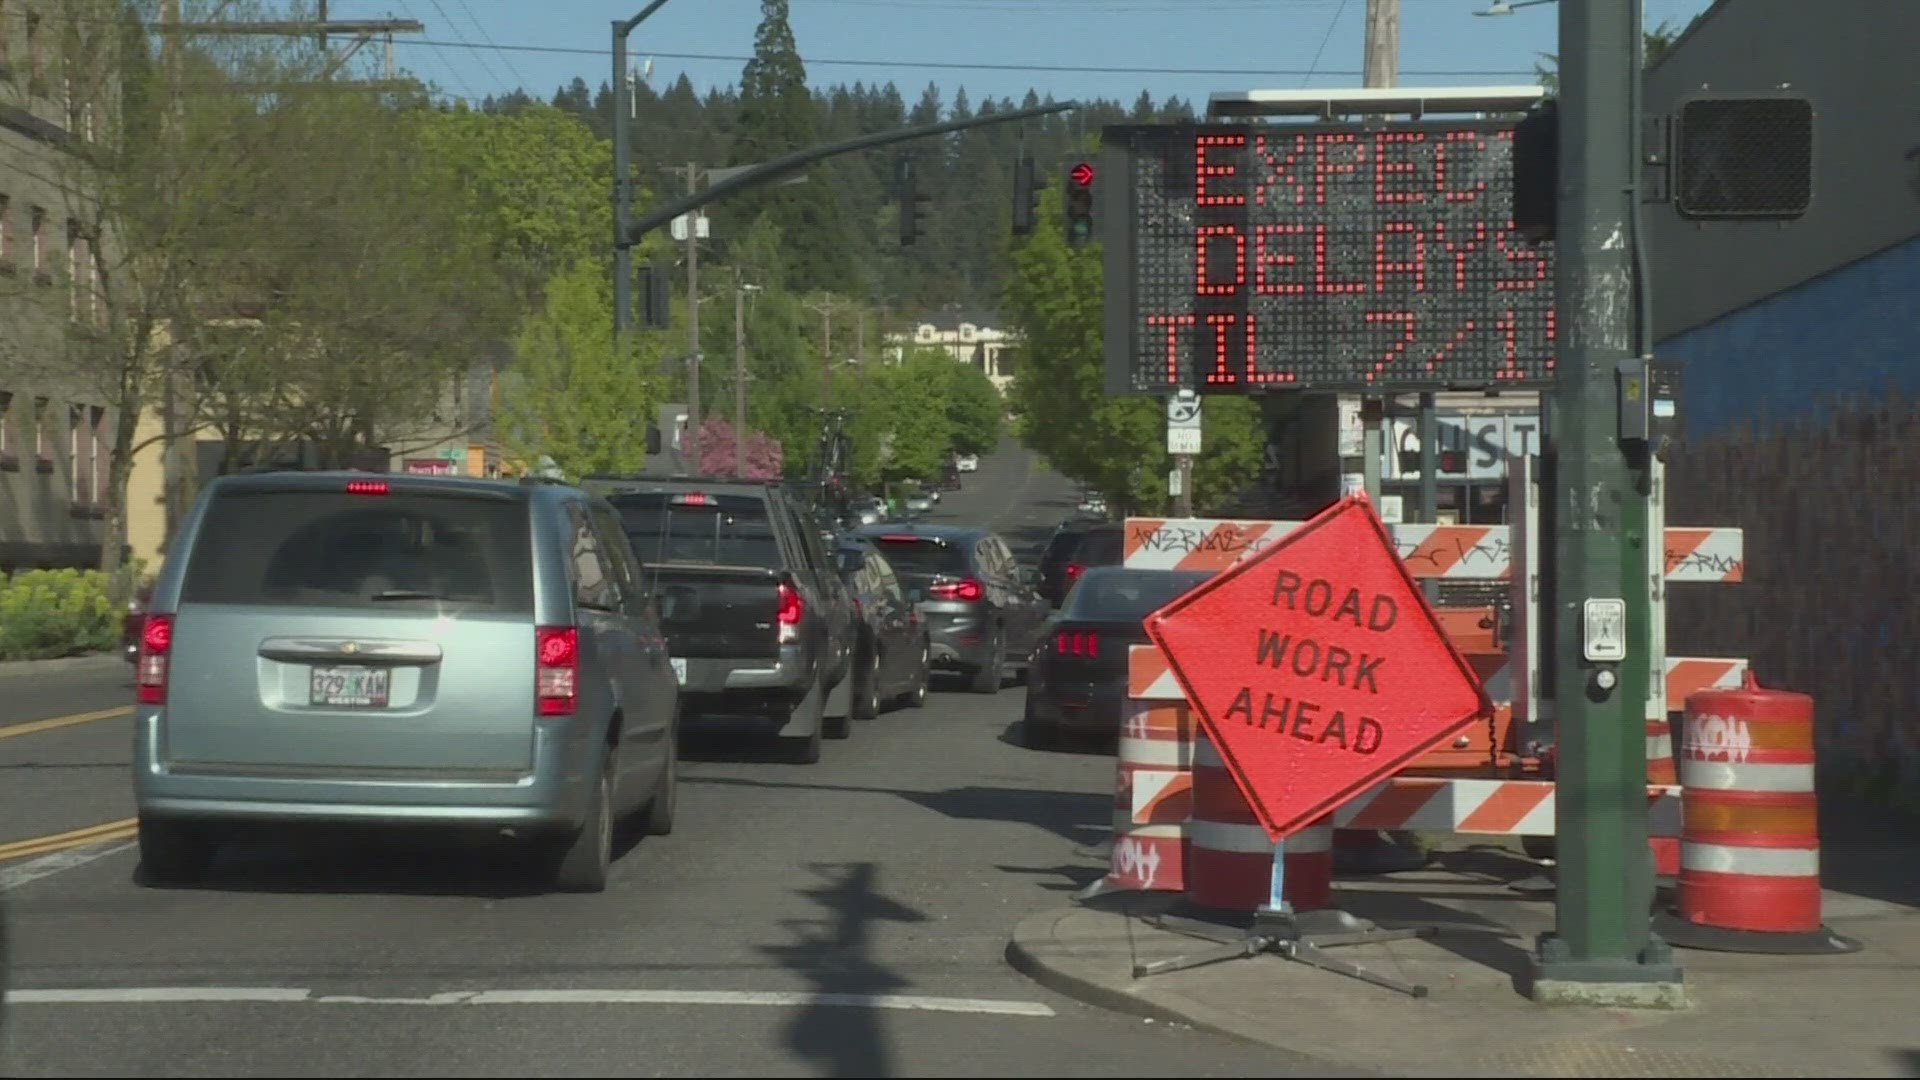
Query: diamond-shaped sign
[(1317, 667)]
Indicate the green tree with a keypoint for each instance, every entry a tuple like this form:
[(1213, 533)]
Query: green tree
[(570, 396), (777, 116), (1658, 45), (1115, 445), (974, 408)]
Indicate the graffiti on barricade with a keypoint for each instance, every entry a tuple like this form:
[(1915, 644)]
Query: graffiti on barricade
[(1698, 562), (1465, 548), (1179, 539), (1135, 862), (1716, 738)]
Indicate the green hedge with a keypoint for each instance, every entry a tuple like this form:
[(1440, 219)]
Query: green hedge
[(49, 613)]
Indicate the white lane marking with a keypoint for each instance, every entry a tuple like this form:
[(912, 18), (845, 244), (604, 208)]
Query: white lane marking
[(12, 877), (765, 999), (146, 995)]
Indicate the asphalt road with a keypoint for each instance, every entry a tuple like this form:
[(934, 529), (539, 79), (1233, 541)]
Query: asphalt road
[(842, 919)]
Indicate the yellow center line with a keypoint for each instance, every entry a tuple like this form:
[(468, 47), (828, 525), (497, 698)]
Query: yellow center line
[(124, 829), (14, 731)]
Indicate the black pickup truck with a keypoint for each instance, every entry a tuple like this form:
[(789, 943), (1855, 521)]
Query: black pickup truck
[(756, 619)]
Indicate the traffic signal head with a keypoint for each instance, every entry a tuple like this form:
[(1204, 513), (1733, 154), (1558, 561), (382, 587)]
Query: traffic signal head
[(1536, 171), (1026, 196), (910, 200), (1079, 203), (655, 286)]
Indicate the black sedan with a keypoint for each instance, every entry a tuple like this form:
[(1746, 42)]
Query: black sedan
[(893, 657), (1077, 680)]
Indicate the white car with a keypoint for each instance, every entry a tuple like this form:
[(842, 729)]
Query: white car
[(967, 463)]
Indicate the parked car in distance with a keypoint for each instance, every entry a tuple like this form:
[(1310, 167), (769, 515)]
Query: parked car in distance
[(1077, 678), (1075, 547), (756, 618), (870, 511), (405, 651), (967, 463), (980, 605), (919, 503), (893, 656)]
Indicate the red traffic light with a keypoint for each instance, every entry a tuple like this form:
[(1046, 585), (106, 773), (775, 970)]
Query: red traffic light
[(1082, 174)]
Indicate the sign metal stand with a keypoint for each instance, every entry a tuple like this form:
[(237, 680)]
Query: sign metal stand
[(1302, 937)]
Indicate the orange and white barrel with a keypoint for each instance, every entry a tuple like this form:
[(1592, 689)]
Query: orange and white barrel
[(1230, 859), (1152, 795), (1749, 842)]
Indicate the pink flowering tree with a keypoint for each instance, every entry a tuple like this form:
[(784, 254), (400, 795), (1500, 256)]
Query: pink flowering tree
[(714, 451)]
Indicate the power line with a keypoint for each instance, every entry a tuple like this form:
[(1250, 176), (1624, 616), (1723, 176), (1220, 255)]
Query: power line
[(956, 65), (1332, 24)]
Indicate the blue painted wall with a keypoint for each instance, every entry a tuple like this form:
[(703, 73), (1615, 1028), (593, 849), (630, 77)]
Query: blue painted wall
[(1853, 332)]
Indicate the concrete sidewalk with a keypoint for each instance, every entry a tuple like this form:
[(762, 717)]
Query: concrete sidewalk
[(1752, 1015)]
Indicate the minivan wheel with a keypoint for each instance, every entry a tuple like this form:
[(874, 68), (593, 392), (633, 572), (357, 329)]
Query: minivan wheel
[(667, 793), (173, 852), (586, 857)]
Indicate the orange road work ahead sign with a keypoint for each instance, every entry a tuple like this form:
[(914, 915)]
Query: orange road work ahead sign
[(1317, 667)]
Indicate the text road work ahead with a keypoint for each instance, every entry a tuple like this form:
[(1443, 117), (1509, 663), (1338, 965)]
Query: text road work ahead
[(1304, 661)]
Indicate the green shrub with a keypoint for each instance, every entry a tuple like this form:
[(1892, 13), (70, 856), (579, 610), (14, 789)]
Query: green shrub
[(48, 613)]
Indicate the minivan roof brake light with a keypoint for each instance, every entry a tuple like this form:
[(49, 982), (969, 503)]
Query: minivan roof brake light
[(366, 487)]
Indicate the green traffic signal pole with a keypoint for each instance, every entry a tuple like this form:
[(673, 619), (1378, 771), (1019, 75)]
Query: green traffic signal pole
[(623, 173), (768, 171), (1602, 950)]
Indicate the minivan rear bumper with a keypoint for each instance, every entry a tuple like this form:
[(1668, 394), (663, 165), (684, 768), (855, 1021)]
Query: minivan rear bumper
[(553, 794)]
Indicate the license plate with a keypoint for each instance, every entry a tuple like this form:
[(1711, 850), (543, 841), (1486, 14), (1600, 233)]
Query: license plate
[(350, 687), (680, 669)]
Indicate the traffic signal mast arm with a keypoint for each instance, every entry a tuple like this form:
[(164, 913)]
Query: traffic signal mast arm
[(767, 171)]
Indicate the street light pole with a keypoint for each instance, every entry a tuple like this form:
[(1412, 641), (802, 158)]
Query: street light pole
[(623, 174), (1602, 949)]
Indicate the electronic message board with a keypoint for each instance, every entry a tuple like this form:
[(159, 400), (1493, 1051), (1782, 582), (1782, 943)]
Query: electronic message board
[(1317, 256)]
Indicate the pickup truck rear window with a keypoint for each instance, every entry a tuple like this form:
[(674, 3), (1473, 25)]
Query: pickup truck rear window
[(335, 549), (716, 530)]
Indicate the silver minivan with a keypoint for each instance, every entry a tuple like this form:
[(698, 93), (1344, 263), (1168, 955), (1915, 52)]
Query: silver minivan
[(406, 651)]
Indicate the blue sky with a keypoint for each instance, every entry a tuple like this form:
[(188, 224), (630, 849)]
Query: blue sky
[(1192, 48)]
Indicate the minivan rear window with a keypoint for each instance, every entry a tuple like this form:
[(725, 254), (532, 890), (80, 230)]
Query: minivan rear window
[(715, 530), (335, 549)]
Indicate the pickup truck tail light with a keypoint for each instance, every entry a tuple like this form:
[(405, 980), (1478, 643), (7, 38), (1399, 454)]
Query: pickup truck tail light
[(150, 669), (968, 589), (557, 670), (789, 612), (1081, 643), (1074, 570)]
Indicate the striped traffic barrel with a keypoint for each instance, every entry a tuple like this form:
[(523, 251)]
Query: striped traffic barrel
[(1152, 793), (1749, 832), (1230, 859)]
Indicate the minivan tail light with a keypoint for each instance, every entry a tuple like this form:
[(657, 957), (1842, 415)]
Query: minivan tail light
[(366, 487), (968, 589), (557, 670), (1083, 643), (156, 645)]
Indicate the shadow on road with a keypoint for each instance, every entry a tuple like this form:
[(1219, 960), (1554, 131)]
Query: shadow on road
[(834, 954), (1080, 818)]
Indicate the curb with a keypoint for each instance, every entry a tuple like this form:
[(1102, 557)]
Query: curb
[(61, 664), (1033, 938)]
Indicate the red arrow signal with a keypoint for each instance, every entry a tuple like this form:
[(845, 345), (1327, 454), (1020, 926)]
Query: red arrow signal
[(1082, 174)]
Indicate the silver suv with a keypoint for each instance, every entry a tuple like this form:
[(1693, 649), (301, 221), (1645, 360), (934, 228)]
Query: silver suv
[(388, 650)]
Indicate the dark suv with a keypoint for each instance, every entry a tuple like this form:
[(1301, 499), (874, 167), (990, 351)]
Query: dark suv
[(980, 606), (1077, 546)]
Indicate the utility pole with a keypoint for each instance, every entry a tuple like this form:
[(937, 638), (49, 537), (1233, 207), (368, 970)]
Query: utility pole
[(623, 174), (693, 316), (1382, 66), (826, 308), (1602, 949), (170, 467), (739, 375)]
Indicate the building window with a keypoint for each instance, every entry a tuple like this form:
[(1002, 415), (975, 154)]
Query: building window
[(76, 270), (6, 38), (36, 57), (43, 434), (100, 452), (9, 433), (6, 230), (37, 221)]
